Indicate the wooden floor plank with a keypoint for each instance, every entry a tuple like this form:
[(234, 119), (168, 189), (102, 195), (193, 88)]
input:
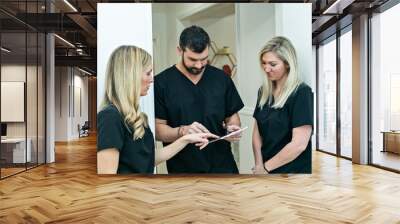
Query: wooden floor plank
[(70, 191)]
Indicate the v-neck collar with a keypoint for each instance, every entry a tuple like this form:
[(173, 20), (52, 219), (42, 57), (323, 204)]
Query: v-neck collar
[(186, 78)]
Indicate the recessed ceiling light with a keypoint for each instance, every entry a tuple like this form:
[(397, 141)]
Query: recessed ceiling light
[(64, 40), (5, 50), (338, 6), (70, 5), (84, 71)]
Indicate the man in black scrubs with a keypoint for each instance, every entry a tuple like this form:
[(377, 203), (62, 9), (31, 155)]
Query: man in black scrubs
[(193, 97)]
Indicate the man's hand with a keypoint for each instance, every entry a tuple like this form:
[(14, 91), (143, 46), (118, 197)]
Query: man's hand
[(194, 128), (230, 129)]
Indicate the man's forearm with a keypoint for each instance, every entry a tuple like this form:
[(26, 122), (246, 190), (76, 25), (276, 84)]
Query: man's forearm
[(233, 120), (167, 134)]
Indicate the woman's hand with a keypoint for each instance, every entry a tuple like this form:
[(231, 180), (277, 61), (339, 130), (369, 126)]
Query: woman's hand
[(195, 127), (199, 139), (259, 169)]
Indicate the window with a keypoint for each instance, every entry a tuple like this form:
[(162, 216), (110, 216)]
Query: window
[(22, 64), (385, 89), (346, 93), (327, 97)]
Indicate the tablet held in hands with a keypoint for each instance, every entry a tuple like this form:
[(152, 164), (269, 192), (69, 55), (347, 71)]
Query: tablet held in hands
[(229, 135)]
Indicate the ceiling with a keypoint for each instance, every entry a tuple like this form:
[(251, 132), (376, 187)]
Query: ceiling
[(76, 22)]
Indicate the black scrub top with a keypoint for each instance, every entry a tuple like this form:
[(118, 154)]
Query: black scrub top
[(135, 156), (181, 102), (275, 127)]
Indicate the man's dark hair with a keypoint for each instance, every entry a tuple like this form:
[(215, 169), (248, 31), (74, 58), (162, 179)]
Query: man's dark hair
[(194, 38)]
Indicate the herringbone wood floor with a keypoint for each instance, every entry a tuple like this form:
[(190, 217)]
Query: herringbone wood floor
[(69, 191)]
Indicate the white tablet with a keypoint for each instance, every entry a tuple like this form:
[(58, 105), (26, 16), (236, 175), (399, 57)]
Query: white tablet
[(228, 135)]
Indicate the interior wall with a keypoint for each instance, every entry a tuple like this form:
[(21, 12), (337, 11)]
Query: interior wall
[(12, 73), (33, 126), (164, 35), (61, 103), (80, 109), (160, 35), (67, 114)]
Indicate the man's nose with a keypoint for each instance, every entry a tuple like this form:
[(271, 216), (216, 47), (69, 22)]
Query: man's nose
[(198, 65)]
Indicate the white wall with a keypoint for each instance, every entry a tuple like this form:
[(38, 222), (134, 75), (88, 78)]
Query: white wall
[(61, 103), (13, 93), (160, 34), (67, 101), (16, 73), (81, 114), (123, 24), (293, 22), (12, 73), (33, 125)]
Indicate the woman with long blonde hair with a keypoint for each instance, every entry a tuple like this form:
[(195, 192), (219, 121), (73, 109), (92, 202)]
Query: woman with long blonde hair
[(283, 114), (125, 143)]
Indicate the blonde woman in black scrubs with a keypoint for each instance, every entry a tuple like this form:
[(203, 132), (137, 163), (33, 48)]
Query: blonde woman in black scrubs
[(125, 142), (283, 114)]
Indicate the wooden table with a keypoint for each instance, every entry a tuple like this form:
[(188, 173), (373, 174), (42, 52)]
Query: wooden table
[(14, 150), (391, 141)]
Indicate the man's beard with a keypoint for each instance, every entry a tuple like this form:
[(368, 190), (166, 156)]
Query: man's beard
[(193, 70)]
